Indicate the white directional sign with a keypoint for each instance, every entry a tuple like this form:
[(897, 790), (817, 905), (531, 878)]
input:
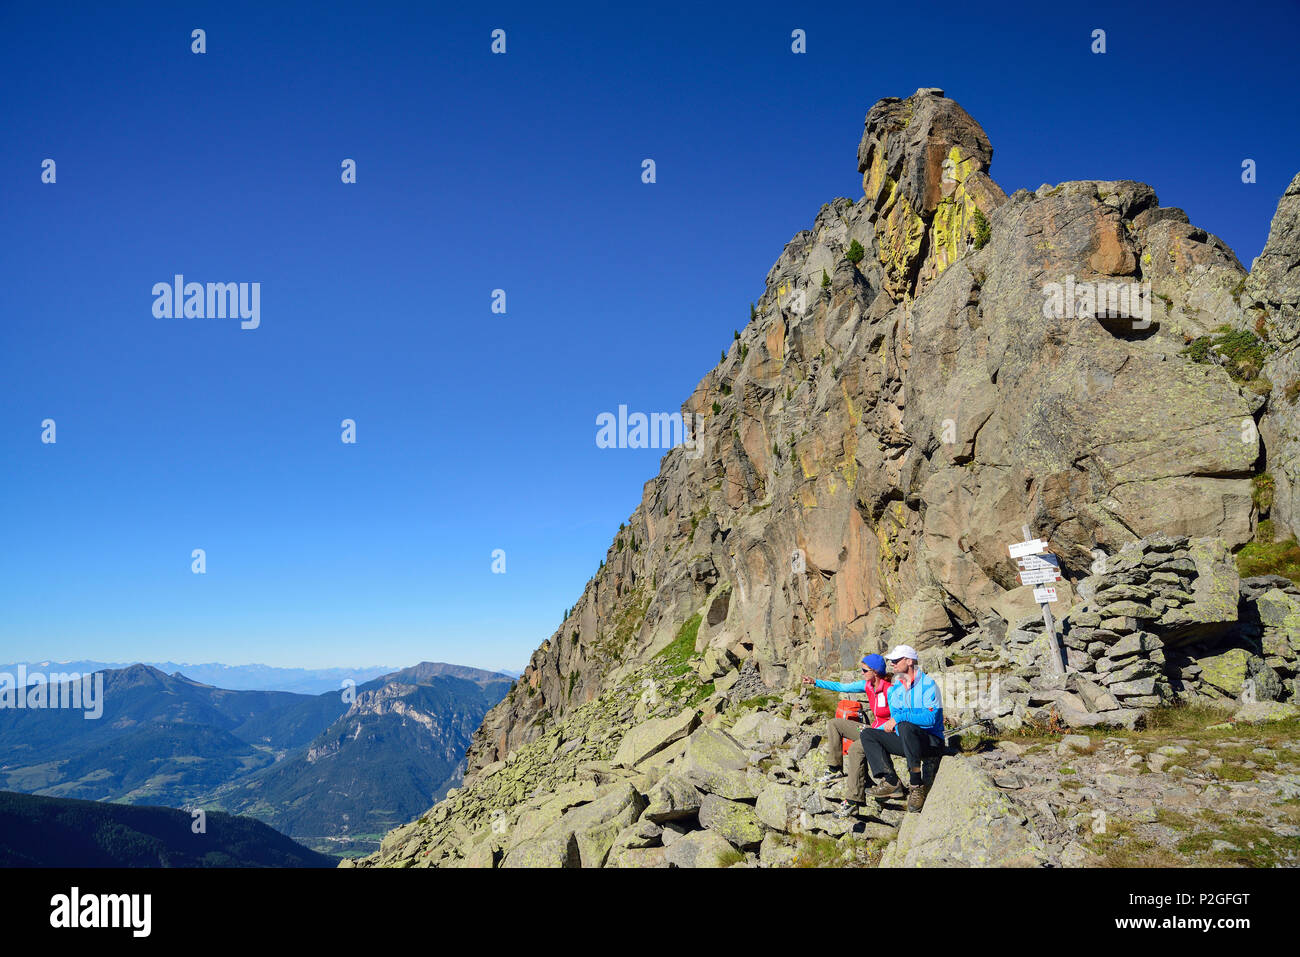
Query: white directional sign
[(1036, 567), (1038, 576), (1032, 547)]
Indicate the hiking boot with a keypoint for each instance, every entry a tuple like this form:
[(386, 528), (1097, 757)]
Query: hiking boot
[(834, 774), (886, 789), (916, 797)]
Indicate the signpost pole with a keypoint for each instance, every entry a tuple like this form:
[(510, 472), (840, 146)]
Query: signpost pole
[(1047, 622)]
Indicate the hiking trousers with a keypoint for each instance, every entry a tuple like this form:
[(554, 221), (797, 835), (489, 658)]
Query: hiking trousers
[(839, 730), (912, 743)]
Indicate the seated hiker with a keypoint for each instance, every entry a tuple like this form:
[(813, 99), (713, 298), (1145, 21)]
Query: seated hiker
[(914, 731), (875, 685)]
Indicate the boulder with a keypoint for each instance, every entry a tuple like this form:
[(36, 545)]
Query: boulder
[(672, 799), (1277, 609), (1261, 712), (561, 851), (967, 822), (715, 762), (778, 807), (1018, 603), (653, 736), (594, 826), (1215, 593), (735, 821), (776, 852), (1094, 697), (1226, 670), (762, 728), (699, 849), (628, 857), (922, 620)]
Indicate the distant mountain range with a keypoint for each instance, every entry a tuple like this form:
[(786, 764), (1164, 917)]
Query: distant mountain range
[(56, 832), (333, 770), (233, 677)]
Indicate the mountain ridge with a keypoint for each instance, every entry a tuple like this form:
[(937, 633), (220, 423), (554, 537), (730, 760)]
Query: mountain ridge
[(906, 397)]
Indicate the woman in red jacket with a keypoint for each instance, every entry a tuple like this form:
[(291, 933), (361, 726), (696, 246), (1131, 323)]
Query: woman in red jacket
[(875, 685)]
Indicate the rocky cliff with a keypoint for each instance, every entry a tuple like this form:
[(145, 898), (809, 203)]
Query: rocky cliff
[(928, 369)]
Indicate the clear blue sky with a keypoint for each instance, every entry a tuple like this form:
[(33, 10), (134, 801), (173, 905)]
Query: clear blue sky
[(475, 431)]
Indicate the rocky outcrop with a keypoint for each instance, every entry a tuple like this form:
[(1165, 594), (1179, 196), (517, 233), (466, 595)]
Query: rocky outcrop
[(882, 429), (1273, 291), (928, 369)]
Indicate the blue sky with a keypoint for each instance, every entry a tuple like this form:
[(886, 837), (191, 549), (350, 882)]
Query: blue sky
[(475, 431)]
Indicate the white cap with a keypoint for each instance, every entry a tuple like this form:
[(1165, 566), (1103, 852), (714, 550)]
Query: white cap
[(903, 651)]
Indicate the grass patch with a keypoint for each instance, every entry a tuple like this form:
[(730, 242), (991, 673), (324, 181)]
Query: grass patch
[(678, 654), (1174, 821), (982, 231), (1240, 352), (1120, 846), (818, 851), (698, 698), (822, 851), (1253, 844), (731, 858), (761, 703), (823, 702), (1270, 558)]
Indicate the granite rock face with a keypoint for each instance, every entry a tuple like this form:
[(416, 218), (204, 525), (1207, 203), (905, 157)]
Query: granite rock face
[(882, 429), (929, 368)]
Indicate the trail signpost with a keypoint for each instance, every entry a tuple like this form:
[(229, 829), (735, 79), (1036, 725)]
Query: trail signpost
[(1037, 567)]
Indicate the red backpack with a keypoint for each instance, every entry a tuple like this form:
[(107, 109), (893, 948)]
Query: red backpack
[(851, 710)]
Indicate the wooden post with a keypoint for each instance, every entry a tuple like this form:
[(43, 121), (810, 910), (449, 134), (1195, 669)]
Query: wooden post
[(1057, 663)]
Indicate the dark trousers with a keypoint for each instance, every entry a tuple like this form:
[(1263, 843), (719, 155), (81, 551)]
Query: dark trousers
[(912, 743)]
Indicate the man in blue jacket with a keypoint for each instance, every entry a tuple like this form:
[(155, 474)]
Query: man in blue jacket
[(914, 731)]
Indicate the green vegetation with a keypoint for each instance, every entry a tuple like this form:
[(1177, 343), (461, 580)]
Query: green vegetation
[(735, 335), (823, 702), (1239, 351), (1262, 488), (1119, 846), (58, 832), (701, 695), (716, 408), (630, 619), (678, 654), (1236, 291), (1251, 844), (1270, 558), (982, 230), (826, 280), (855, 252), (821, 851), (731, 857), (753, 313)]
